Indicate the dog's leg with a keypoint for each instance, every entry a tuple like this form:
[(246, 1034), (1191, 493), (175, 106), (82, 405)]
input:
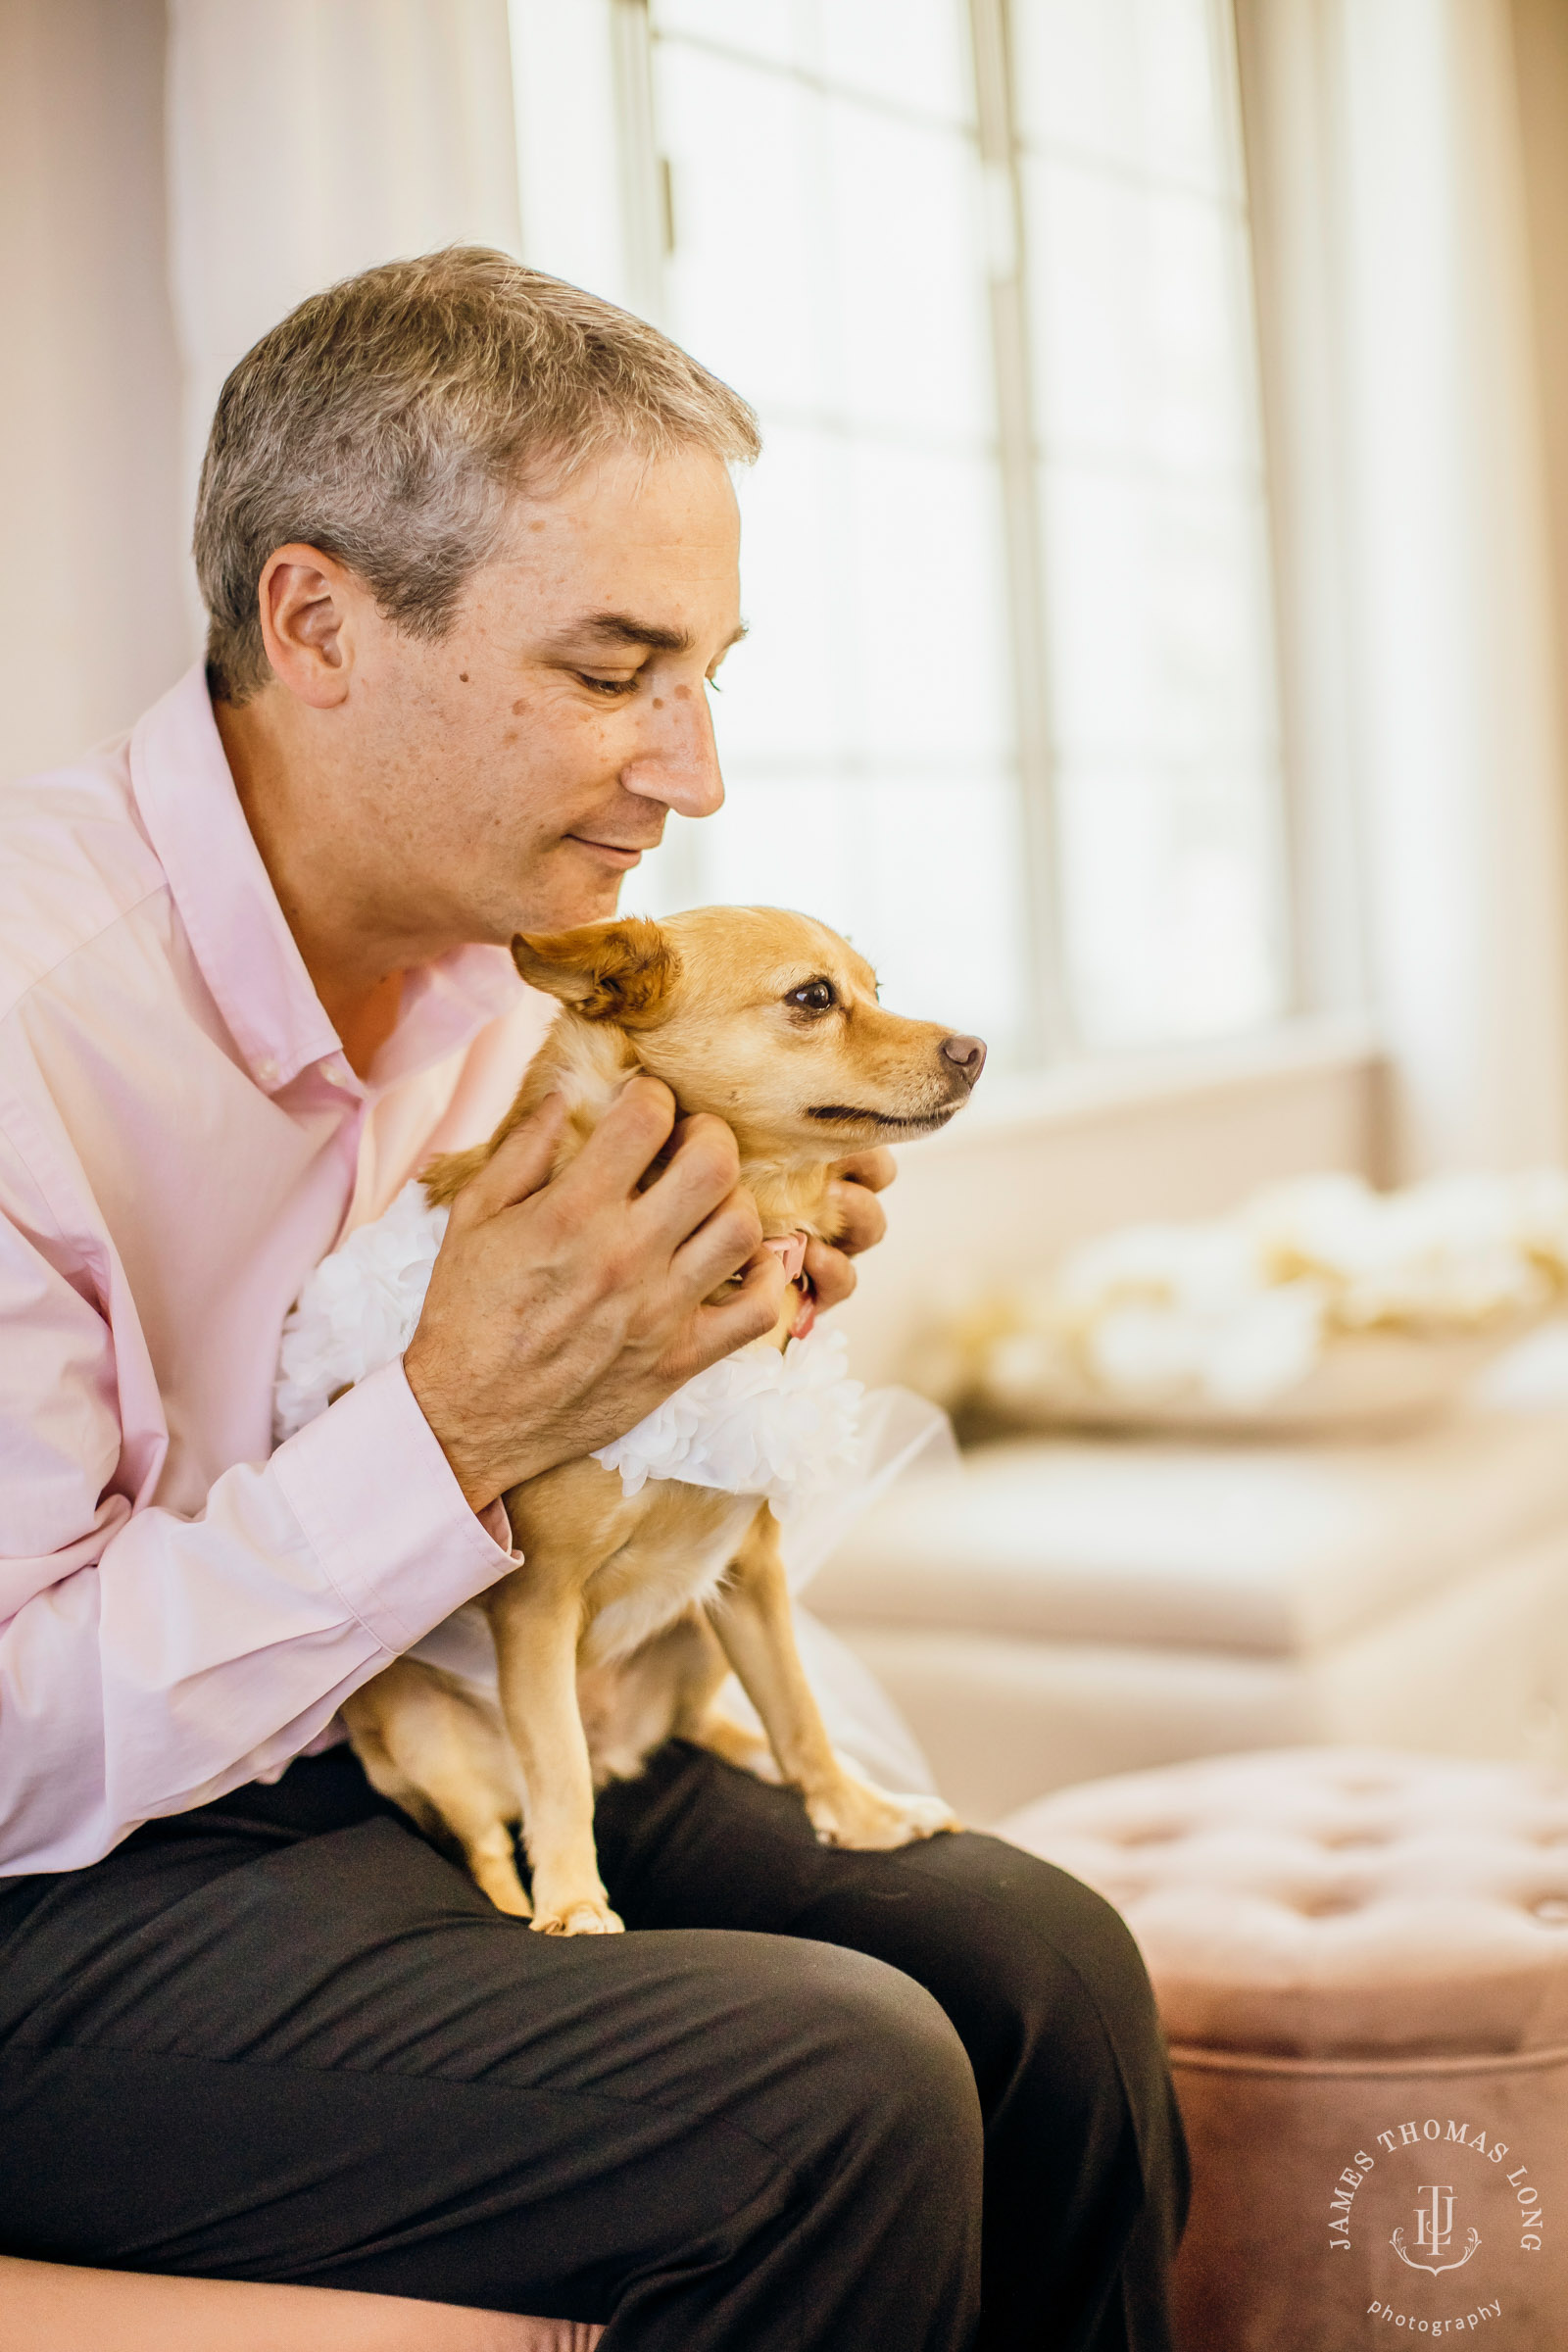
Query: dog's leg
[(754, 1620), (700, 1718), (536, 1617), (443, 1757), (736, 1742)]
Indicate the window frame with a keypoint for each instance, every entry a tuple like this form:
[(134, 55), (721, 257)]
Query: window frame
[(1051, 1041)]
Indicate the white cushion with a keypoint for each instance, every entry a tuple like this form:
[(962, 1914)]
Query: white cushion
[(1478, 1669), (1270, 1550)]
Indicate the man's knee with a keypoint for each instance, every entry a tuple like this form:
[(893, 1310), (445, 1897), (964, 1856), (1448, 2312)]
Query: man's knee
[(1050, 1995), (1057, 1962), (1070, 1997), (883, 2073)]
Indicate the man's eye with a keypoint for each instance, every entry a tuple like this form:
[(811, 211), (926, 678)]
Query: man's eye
[(607, 685), (818, 996)]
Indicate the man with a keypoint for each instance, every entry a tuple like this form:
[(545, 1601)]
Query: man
[(469, 547)]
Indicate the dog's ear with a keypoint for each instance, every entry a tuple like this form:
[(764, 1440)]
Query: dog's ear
[(618, 971)]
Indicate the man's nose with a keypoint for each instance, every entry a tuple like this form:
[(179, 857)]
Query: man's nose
[(967, 1056), (680, 765)]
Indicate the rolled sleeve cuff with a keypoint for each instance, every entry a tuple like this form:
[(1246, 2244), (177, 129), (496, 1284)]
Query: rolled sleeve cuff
[(376, 1500)]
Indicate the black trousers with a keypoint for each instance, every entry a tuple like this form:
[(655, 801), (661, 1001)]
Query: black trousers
[(284, 2037)]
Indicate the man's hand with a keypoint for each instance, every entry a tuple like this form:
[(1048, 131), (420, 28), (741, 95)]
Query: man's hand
[(862, 1221), (559, 1313)]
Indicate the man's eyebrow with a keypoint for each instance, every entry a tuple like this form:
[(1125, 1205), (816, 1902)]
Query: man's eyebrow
[(623, 629)]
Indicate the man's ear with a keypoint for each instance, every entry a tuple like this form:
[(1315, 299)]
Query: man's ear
[(618, 971), (304, 600)]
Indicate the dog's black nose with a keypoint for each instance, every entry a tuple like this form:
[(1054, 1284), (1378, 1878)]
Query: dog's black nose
[(967, 1056)]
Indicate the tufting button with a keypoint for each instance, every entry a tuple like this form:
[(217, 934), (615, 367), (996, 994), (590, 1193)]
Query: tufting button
[(1328, 1906)]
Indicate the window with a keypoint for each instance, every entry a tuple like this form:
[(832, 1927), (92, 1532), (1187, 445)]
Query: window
[(1007, 714)]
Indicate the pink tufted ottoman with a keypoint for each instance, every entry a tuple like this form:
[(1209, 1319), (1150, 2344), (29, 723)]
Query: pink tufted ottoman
[(1362, 1960)]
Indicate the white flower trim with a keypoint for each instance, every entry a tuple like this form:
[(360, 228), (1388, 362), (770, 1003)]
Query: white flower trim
[(356, 1311), (781, 1424), (760, 1422)]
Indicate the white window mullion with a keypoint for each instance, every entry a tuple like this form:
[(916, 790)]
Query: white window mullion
[(1051, 1033), (1158, 607)]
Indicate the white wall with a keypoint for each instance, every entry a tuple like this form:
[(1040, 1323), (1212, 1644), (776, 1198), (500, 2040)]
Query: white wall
[(92, 620), (303, 141)]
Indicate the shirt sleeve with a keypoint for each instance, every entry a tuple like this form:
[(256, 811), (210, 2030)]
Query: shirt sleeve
[(148, 1661)]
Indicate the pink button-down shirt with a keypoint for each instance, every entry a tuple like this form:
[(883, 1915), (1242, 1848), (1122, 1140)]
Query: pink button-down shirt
[(181, 1138)]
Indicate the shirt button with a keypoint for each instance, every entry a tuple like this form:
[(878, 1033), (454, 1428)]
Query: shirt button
[(267, 1070)]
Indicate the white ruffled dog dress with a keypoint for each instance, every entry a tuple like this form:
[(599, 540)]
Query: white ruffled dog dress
[(784, 1425), (790, 1427)]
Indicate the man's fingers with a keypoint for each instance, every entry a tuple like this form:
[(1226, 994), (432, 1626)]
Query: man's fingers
[(727, 1240), (700, 1177), (519, 1165), (633, 1131), (875, 1170), (832, 1276), (859, 1216), (748, 1313)]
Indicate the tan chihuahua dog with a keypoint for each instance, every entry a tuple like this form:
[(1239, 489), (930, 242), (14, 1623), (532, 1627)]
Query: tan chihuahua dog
[(606, 1637)]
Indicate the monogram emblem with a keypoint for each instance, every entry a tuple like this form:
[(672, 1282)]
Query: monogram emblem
[(1434, 2233)]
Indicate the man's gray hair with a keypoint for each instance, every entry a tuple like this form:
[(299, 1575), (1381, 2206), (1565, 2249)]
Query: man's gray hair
[(388, 420)]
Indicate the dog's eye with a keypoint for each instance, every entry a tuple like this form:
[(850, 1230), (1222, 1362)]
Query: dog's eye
[(818, 996)]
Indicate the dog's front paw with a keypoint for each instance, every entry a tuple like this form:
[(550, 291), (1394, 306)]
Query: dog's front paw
[(587, 1915), (852, 1812)]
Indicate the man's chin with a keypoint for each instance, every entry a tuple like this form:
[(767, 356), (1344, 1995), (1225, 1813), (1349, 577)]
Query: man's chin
[(568, 903)]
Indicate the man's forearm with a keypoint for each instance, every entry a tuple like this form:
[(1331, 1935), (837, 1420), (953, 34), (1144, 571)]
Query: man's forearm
[(191, 1655)]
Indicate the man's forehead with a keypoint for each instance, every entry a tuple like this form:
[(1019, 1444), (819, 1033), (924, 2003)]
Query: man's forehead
[(625, 564), (631, 501)]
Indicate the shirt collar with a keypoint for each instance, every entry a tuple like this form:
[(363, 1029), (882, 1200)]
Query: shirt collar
[(242, 944)]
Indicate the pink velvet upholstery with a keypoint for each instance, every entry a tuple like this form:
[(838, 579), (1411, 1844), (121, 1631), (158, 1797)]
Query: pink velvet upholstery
[(45, 2307), (1362, 1960)]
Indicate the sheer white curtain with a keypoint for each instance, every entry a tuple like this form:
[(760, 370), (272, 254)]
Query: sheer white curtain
[(1390, 208), (307, 141)]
